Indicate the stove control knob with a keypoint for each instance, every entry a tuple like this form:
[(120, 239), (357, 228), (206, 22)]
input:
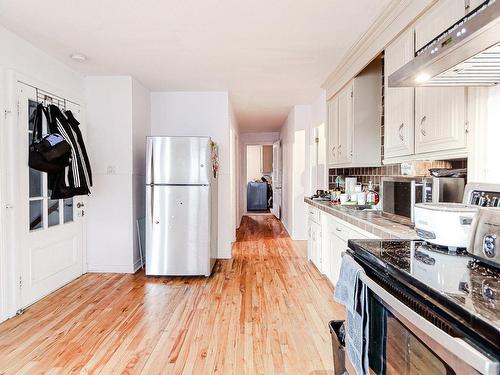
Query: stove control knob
[(488, 292), (489, 245)]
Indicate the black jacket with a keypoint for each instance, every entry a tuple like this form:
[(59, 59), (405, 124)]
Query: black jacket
[(77, 178)]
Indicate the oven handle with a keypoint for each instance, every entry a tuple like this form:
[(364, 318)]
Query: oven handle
[(457, 346)]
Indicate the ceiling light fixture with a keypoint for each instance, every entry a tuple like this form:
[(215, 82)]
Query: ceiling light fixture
[(422, 77), (78, 57)]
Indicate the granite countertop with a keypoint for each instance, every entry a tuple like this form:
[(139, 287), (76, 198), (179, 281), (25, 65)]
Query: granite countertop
[(457, 279), (370, 221)]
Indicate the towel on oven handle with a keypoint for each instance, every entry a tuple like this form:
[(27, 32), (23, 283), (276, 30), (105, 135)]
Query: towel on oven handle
[(352, 292)]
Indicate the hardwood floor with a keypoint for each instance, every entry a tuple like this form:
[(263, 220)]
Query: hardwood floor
[(263, 312)]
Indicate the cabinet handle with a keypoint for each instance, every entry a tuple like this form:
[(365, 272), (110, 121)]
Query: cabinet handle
[(422, 129), (401, 136), (338, 229), (340, 151), (333, 150)]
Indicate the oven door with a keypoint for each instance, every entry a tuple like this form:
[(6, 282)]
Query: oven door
[(403, 342)]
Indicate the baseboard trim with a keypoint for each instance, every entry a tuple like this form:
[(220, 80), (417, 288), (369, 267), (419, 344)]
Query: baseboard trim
[(138, 263), (108, 268)]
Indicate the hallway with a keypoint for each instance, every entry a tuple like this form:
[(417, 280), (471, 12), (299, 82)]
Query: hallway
[(263, 312)]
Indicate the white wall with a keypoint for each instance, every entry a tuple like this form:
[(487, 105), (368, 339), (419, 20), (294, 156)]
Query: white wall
[(295, 146), (254, 162), (234, 146), (141, 128), (318, 164), (109, 134), (20, 60), (202, 114), (117, 125)]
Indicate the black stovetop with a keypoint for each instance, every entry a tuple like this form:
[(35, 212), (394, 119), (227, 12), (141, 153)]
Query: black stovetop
[(466, 288)]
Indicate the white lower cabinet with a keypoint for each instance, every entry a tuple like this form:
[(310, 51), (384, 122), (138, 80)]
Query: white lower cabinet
[(314, 243), (327, 240), (336, 246)]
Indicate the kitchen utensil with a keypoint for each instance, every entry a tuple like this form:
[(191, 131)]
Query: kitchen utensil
[(444, 224), (361, 198), (350, 184), (344, 198)]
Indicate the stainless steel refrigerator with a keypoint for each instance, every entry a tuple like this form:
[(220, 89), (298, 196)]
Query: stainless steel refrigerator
[(181, 206)]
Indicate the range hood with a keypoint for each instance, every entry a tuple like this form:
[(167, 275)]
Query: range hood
[(467, 54)]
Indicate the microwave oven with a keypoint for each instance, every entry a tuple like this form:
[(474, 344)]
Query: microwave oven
[(400, 194)]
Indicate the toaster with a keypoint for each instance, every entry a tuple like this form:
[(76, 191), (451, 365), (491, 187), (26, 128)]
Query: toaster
[(485, 235)]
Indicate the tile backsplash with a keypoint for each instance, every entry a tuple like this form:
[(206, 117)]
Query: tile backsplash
[(375, 174)]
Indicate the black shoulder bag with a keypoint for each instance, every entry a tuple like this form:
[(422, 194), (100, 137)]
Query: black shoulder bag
[(48, 154)]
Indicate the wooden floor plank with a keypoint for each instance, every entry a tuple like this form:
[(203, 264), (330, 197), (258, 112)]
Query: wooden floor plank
[(265, 311)]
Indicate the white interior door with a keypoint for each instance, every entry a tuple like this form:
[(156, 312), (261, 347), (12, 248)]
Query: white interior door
[(277, 174), (51, 244)]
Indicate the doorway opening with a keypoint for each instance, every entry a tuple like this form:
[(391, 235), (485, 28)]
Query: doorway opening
[(259, 191), (262, 179)]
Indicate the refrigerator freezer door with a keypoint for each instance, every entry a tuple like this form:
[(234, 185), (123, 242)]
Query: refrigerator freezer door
[(178, 230), (178, 161)]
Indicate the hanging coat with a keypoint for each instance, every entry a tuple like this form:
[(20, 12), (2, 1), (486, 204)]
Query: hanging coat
[(77, 178), (75, 126)]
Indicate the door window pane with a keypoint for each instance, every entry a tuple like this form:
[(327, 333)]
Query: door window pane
[(53, 212), (51, 178), (35, 182), (36, 216), (31, 108), (68, 210)]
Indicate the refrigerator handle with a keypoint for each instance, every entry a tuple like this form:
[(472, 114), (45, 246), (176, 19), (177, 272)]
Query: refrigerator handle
[(152, 164), (152, 201)]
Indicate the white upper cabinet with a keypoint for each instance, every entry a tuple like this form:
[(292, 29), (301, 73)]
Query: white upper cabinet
[(344, 149), (440, 112), (399, 117), (333, 129), (439, 119), (437, 19), (472, 4), (354, 119)]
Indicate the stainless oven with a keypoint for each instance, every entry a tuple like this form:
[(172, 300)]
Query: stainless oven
[(400, 194), (404, 341)]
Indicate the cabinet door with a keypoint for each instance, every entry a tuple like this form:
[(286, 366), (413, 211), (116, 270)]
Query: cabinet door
[(437, 19), (399, 117), (440, 122), (326, 253), (333, 125), (315, 244), (472, 4), (337, 246), (344, 148)]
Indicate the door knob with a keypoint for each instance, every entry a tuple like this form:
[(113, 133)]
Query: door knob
[(80, 205)]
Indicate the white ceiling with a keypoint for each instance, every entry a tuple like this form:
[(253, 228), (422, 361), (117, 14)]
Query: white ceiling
[(269, 54)]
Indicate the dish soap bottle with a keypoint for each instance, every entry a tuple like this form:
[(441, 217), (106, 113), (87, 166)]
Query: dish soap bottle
[(372, 197)]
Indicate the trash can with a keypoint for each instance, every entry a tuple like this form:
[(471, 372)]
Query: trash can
[(337, 330)]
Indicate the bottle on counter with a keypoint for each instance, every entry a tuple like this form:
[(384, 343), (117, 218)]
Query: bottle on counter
[(335, 196), (372, 196)]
